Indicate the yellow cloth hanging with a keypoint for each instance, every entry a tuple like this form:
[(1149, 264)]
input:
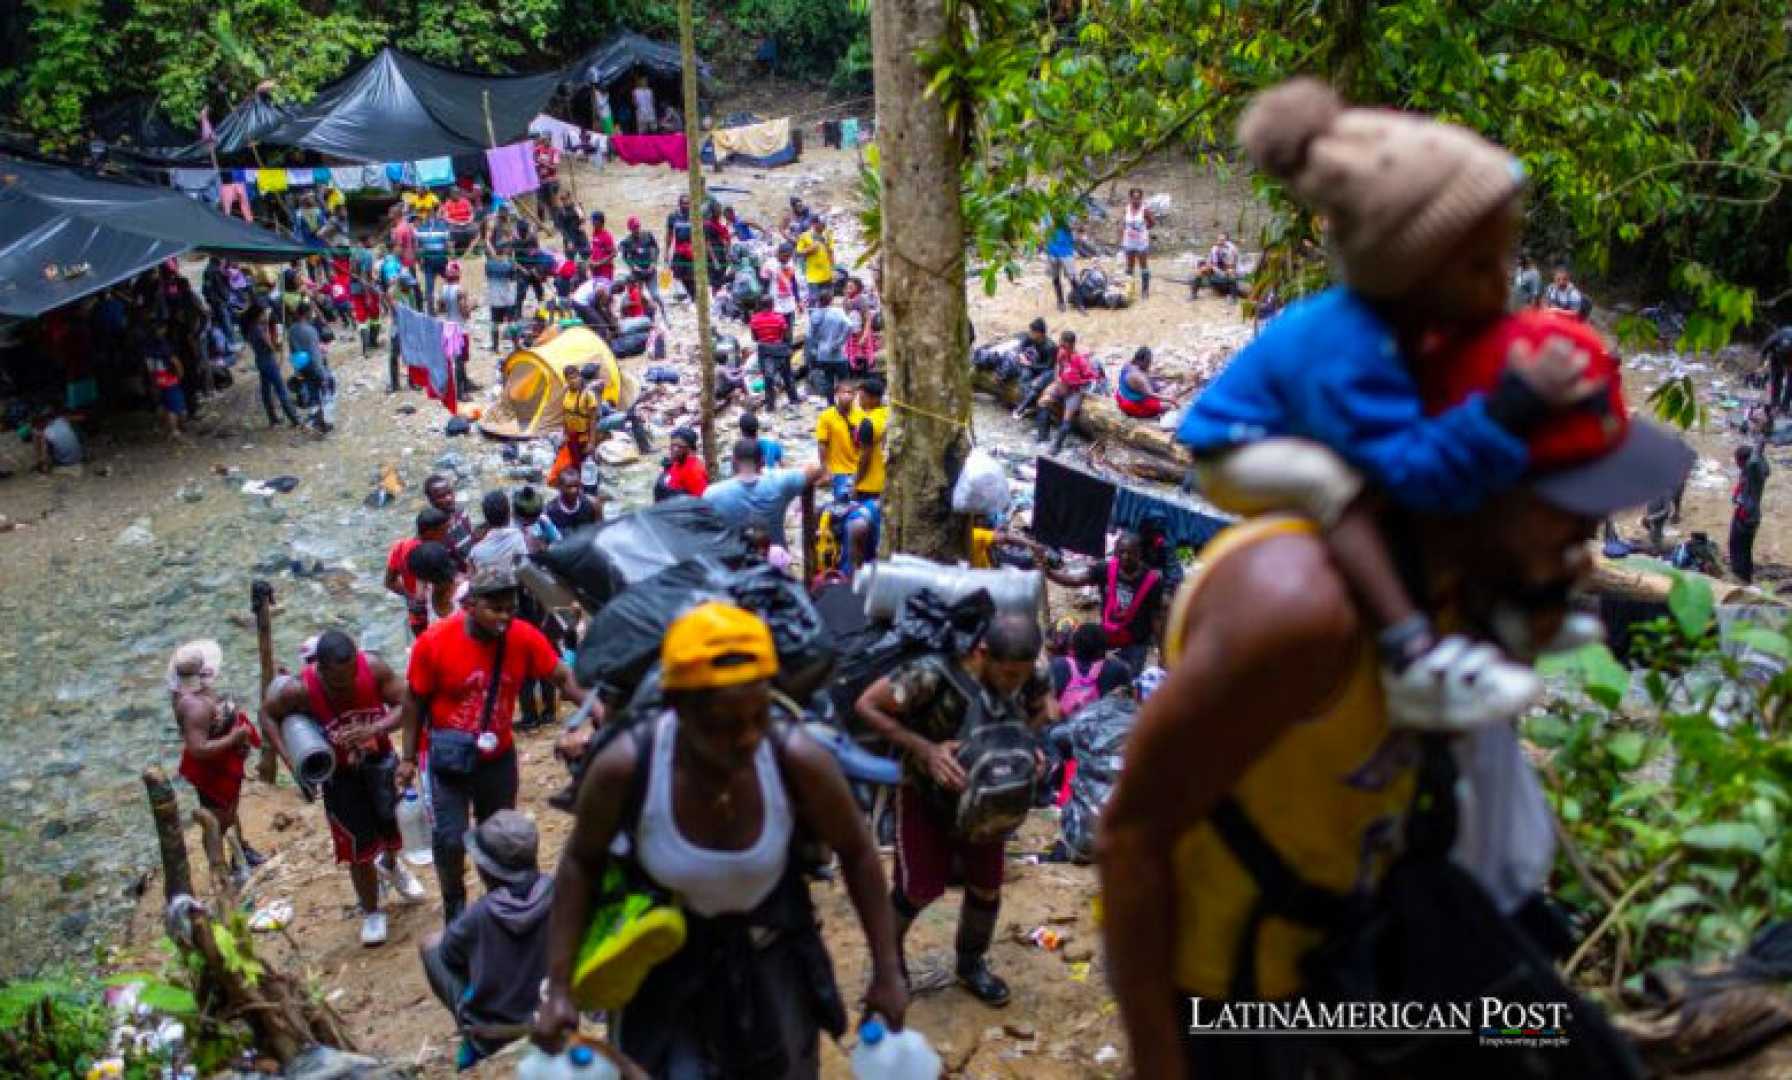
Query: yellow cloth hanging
[(269, 181), (753, 140)]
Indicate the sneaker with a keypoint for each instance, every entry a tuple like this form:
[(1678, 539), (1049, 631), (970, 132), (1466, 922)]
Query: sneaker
[(399, 879), (1458, 686), (985, 985), (252, 857), (373, 929)]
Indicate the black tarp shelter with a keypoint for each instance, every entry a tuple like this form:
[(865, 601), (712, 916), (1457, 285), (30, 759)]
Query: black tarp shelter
[(66, 234), (609, 64), (246, 124), (395, 107)]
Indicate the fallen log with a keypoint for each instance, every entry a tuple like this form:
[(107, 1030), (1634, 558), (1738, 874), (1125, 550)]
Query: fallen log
[(1100, 419), (1650, 585)]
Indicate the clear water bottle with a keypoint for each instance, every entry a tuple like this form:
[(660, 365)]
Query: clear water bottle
[(883, 1054), (575, 1063), (413, 829)]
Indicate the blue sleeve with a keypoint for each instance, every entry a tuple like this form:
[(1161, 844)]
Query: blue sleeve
[(1368, 411)]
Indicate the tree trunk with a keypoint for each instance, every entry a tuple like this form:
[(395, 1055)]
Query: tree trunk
[(1101, 420), (177, 874), (261, 604), (706, 346), (923, 282)]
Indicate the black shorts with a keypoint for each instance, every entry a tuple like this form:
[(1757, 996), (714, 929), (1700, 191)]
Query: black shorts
[(362, 806)]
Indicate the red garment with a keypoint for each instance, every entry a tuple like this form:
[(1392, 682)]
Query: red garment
[(688, 476), (1115, 621), (1075, 370), (452, 669), (457, 212), (603, 254), (416, 597), (634, 301), (365, 705), (404, 238), (651, 150), (768, 327), (1149, 409), (219, 779), (547, 163)]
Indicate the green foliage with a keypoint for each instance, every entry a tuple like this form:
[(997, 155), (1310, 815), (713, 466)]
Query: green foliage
[(817, 39), (52, 1028), (1636, 122), (1690, 780), (1676, 401)]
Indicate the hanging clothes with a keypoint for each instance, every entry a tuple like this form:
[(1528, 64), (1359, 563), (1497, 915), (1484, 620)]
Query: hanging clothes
[(513, 170), (269, 181), (1183, 525), (198, 184), (301, 177), (651, 150), (348, 178), (420, 343), (1071, 508), (234, 197), (435, 172)]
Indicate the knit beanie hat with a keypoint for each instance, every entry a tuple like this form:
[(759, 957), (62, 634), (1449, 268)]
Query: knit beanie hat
[(1398, 191)]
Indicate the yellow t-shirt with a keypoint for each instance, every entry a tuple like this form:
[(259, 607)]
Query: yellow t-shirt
[(1354, 779), (333, 199), (818, 259), (421, 202), (982, 540), (833, 437), (580, 408), (873, 483)]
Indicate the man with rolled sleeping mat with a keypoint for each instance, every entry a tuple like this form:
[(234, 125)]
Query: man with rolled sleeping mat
[(354, 697)]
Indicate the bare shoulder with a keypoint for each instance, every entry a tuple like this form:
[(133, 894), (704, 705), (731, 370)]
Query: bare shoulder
[(1284, 590)]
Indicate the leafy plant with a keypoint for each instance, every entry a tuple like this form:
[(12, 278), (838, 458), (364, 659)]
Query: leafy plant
[(1672, 787)]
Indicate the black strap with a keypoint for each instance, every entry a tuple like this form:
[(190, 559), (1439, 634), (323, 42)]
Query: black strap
[(636, 798), (491, 688)]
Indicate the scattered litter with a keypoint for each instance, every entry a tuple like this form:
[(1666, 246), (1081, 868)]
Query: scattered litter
[(1015, 1029), (283, 484), (618, 452), (457, 425), (136, 534), (1046, 938), (190, 493), (407, 410), (275, 916), (1079, 971)]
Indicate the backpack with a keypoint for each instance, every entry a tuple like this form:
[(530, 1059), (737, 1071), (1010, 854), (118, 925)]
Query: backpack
[(1081, 690), (998, 757)]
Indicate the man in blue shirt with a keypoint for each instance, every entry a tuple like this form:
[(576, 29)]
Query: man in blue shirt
[(825, 348), (1060, 258), (751, 498), (771, 452)]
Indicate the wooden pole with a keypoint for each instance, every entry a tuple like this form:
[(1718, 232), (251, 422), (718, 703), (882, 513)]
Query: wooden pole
[(261, 603), (687, 48), (177, 873), (810, 567)]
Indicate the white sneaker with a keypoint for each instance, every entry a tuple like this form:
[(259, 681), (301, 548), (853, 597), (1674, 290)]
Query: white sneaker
[(1458, 686), (373, 929), (399, 879)]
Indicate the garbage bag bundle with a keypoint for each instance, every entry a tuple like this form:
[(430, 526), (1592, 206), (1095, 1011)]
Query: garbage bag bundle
[(599, 563), (928, 624), (982, 486), (622, 643), (1095, 740)]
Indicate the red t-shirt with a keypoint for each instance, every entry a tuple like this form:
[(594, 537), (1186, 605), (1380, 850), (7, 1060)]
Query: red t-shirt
[(397, 560), (452, 670), (688, 476), (547, 164), (603, 254), (768, 327)]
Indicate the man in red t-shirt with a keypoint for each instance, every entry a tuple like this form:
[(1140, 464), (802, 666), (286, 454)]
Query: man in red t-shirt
[(450, 683), (354, 697), (547, 170), (432, 525), (685, 473), (771, 340), (603, 249)]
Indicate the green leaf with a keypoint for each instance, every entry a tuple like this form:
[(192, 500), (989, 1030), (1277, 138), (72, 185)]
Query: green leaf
[(1672, 899), (1627, 748), (1546, 730), (1760, 639), (1691, 604), (1738, 836)]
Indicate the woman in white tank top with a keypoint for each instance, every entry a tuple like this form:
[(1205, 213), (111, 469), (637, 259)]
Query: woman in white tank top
[(709, 815), (1135, 238)]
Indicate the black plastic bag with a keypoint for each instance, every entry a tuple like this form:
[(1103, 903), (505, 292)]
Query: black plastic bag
[(599, 563), (927, 625), (1096, 741)]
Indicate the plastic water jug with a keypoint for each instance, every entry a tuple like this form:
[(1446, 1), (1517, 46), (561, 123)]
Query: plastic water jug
[(576, 1063), (413, 829), (886, 1055)]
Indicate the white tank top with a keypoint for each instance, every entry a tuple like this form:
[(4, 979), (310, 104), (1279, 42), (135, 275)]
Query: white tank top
[(712, 882), (1138, 231)]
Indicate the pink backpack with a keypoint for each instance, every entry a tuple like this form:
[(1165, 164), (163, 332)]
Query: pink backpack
[(1081, 690)]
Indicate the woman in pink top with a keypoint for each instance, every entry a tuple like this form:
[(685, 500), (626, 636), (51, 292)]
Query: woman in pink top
[(1076, 374)]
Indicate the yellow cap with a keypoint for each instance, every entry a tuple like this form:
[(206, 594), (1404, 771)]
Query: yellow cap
[(692, 655)]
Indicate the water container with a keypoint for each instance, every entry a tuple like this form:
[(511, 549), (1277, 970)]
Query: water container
[(313, 761), (886, 1055), (575, 1063), (413, 828), (887, 584)]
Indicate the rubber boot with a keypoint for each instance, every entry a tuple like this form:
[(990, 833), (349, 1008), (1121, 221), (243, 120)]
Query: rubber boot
[(1042, 424), (365, 342), (1144, 284), (638, 428), (1058, 291), (976, 929), (1058, 439)]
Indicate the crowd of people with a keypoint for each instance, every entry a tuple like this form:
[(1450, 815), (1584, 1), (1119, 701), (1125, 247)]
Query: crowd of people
[(1415, 515)]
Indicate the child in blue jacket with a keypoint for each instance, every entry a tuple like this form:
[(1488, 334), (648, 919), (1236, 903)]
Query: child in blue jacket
[(1422, 216)]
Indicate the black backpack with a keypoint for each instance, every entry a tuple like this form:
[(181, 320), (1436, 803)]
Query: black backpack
[(999, 761)]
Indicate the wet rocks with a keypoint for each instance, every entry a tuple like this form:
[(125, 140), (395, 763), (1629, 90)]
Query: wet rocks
[(136, 535)]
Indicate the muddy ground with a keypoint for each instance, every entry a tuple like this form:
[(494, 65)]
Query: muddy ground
[(154, 543)]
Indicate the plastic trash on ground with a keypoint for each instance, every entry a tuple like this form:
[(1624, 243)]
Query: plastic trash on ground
[(1096, 741), (982, 486)]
